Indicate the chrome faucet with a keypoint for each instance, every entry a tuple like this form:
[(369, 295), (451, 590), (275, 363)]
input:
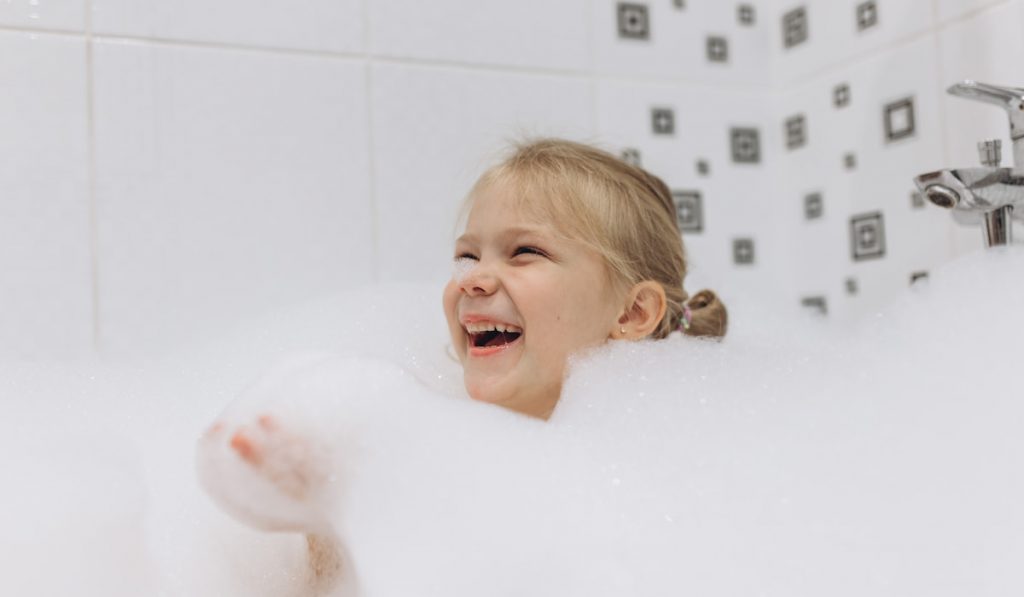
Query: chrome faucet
[(990, 194)]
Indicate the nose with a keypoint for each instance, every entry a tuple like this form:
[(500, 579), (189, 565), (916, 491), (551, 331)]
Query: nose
[(479, 280)]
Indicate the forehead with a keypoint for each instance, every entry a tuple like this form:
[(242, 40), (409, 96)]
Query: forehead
[(518, 199), (501, 202)]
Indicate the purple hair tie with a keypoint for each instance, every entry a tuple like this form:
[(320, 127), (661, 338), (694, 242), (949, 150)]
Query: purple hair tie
[(685, 319)]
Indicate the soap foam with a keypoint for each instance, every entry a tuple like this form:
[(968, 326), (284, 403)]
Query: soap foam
[(882, 460)]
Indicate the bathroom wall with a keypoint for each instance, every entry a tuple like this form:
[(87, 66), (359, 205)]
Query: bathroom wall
[(171, 169)]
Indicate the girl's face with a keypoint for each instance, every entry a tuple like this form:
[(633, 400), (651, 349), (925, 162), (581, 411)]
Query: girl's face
[(550, 295)]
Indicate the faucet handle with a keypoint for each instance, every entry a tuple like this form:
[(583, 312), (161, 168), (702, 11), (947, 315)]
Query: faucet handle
[(990, 152), (1010, 98)]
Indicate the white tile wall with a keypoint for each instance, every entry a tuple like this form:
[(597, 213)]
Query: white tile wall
[(737, 198), (227, 182), (320, 25), (834, 36), (955, 9), (435, 129), (528, 33), (43, 14), (241, 174), (45, 258), (985, 47), (916, 239)]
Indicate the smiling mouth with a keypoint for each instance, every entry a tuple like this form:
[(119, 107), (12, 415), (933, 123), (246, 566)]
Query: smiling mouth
[(493, 338)]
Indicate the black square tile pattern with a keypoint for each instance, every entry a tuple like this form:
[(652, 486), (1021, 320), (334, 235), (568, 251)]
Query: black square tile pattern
[(796, 131), (918, 276), (746, 145), (899, 119), (717, 49), (689, 210), (851, 286), (631, 156), (841, 95), (663, 121), (815, 304), (867, 15), (679, 4), (917, 199), (850, 161), (743, 251), (634, 22), (703, 167), (794, 27), (867, 236), (814, 206), (745, 14)]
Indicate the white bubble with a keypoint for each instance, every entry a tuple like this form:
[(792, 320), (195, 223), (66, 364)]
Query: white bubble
[(876, 460), (463, 266)]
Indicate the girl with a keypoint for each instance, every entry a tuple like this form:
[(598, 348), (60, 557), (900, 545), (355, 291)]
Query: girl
[(565, 247)]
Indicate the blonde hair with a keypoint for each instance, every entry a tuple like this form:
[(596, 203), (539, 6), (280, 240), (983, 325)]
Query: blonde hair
[(621, 211)]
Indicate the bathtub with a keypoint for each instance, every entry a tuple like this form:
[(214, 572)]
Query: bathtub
[(794, 458)]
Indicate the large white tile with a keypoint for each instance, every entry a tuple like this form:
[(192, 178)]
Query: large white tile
[(322, 25), (227, 182), (435, 130), (987, 48), (915, 239), (44, 14), (45, 247), (527, 33), (738, 199), (676, 46)]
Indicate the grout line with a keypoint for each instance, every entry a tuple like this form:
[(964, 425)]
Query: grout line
[(588, 17), (90, 124), (585, 73), (375, 232), (970, 14)]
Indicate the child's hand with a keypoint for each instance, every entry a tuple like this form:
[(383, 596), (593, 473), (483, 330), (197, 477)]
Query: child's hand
[(268, 475)]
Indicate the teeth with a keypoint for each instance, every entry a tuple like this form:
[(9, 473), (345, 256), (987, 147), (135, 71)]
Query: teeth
[(479, 327)]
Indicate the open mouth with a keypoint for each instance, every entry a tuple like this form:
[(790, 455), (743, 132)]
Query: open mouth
[(483, 336), (493, 338)]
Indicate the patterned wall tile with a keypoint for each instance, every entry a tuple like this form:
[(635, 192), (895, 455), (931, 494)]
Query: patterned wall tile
[(794, 27), (634, 21), (689, 211), (743, 251), (899, 119), (867, 236), (746, 145), (815, 304), (867, 15), (841, 95), (746, 14), (814, 206), (663, 121), (631, 156), (717, 49), (796, 131)]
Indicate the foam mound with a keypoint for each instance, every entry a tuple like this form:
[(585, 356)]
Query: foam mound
[(792, 458)]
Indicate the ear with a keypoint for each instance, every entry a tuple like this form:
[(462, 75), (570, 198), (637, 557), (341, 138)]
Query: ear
[(645, 307)]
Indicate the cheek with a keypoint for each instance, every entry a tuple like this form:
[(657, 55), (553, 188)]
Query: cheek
[(449, 299)]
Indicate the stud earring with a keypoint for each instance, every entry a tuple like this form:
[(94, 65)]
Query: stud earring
[(622, 330)]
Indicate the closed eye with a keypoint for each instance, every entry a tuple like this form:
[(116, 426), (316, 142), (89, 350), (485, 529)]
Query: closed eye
[(527, 250), (465, 256)]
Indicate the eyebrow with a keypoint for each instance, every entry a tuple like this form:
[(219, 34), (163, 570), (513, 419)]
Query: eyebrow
[(513, 232)]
